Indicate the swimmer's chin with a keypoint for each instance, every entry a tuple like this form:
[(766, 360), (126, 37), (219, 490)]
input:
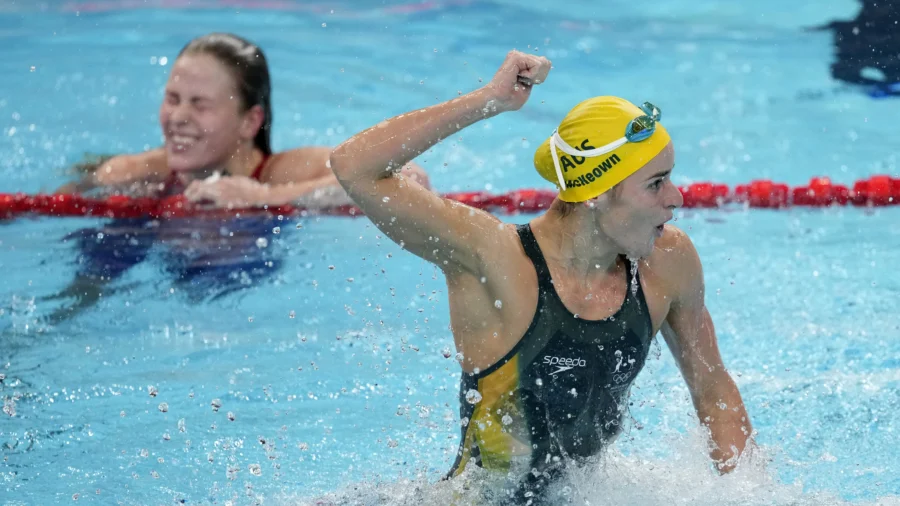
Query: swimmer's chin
[(177, 160)]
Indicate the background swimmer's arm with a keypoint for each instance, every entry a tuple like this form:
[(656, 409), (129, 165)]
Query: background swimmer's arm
[(446, 233), (303, 177), (691, 337), (299, 177), (121, 170)]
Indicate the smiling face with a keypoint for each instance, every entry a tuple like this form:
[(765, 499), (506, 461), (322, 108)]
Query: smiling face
[(202, 116), (634, 213)]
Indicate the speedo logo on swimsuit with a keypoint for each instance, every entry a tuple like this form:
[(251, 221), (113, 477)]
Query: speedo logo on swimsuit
[(563, 364)]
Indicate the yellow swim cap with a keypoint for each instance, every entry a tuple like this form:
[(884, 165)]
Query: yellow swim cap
[(599, 143)]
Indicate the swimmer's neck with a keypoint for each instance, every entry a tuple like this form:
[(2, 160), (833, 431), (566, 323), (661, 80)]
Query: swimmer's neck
[(241, 163), (576, 243)]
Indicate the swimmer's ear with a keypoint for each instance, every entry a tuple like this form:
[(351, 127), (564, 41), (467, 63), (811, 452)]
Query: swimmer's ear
[(252, 121), (599, 202)]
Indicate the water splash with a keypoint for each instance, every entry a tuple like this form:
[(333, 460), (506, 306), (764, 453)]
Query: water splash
[(684, 477)]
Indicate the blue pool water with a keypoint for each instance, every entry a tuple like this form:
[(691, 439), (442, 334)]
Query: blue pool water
[(326, 356)]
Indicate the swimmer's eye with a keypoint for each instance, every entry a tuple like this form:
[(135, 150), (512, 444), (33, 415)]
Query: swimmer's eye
[(656, 185), (201, 104)]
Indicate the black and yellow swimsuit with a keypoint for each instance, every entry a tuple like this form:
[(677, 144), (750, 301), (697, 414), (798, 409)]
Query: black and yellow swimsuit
[(559, 395)]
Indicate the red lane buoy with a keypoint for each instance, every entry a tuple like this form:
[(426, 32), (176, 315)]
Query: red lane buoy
[(877, 190)]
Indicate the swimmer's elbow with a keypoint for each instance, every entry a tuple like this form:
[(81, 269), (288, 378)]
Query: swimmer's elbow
[(342, 164), (349, 165)]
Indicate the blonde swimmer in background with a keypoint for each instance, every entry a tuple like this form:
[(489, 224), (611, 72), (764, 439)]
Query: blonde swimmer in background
[(554, 318)]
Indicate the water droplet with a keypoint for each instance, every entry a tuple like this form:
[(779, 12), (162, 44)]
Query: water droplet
[(181, 426), (330, 267), (392, 443), (292, 315), (154, 474), (276, 230), (255, 470), (9, 406), (262, 242), (303, 446), (386, 199), (506, 420), (446, 352), (324, 25), (164, 407), (230, 416), (152, 391), (464, 421), (166, 436), (539, 382), (144, 453), (216, 404), (473, 396), (498, 303)]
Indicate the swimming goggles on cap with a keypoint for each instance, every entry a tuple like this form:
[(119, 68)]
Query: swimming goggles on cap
[(637, 130)]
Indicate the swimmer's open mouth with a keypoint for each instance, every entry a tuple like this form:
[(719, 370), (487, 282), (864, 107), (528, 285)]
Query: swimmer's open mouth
[(182, 140)]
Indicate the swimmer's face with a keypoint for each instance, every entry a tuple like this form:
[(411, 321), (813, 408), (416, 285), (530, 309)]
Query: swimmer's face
[(203, 119), (634, 214)]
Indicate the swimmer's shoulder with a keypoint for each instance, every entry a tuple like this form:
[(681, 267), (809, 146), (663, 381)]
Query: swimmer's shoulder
[(297, 165), (496, 244), (149, 166), (674, 266)]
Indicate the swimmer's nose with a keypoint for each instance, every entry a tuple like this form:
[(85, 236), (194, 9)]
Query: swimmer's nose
[(179, 114), (674, 198)]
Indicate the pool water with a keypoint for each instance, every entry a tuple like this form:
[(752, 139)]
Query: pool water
[(326, 368)]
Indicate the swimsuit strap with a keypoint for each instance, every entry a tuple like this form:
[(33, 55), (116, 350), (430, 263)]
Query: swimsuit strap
[(257, 172)]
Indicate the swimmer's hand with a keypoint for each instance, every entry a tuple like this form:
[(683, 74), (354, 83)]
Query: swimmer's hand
[(231, 192), (511, 85)]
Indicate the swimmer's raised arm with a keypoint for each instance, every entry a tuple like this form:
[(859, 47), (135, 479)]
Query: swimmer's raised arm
[(444, 232)]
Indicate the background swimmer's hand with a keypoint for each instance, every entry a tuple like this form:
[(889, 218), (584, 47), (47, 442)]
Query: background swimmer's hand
[(229, 192), (511, 85)]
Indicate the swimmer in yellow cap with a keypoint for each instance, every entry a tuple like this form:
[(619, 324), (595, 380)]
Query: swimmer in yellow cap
[(554, 318)]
